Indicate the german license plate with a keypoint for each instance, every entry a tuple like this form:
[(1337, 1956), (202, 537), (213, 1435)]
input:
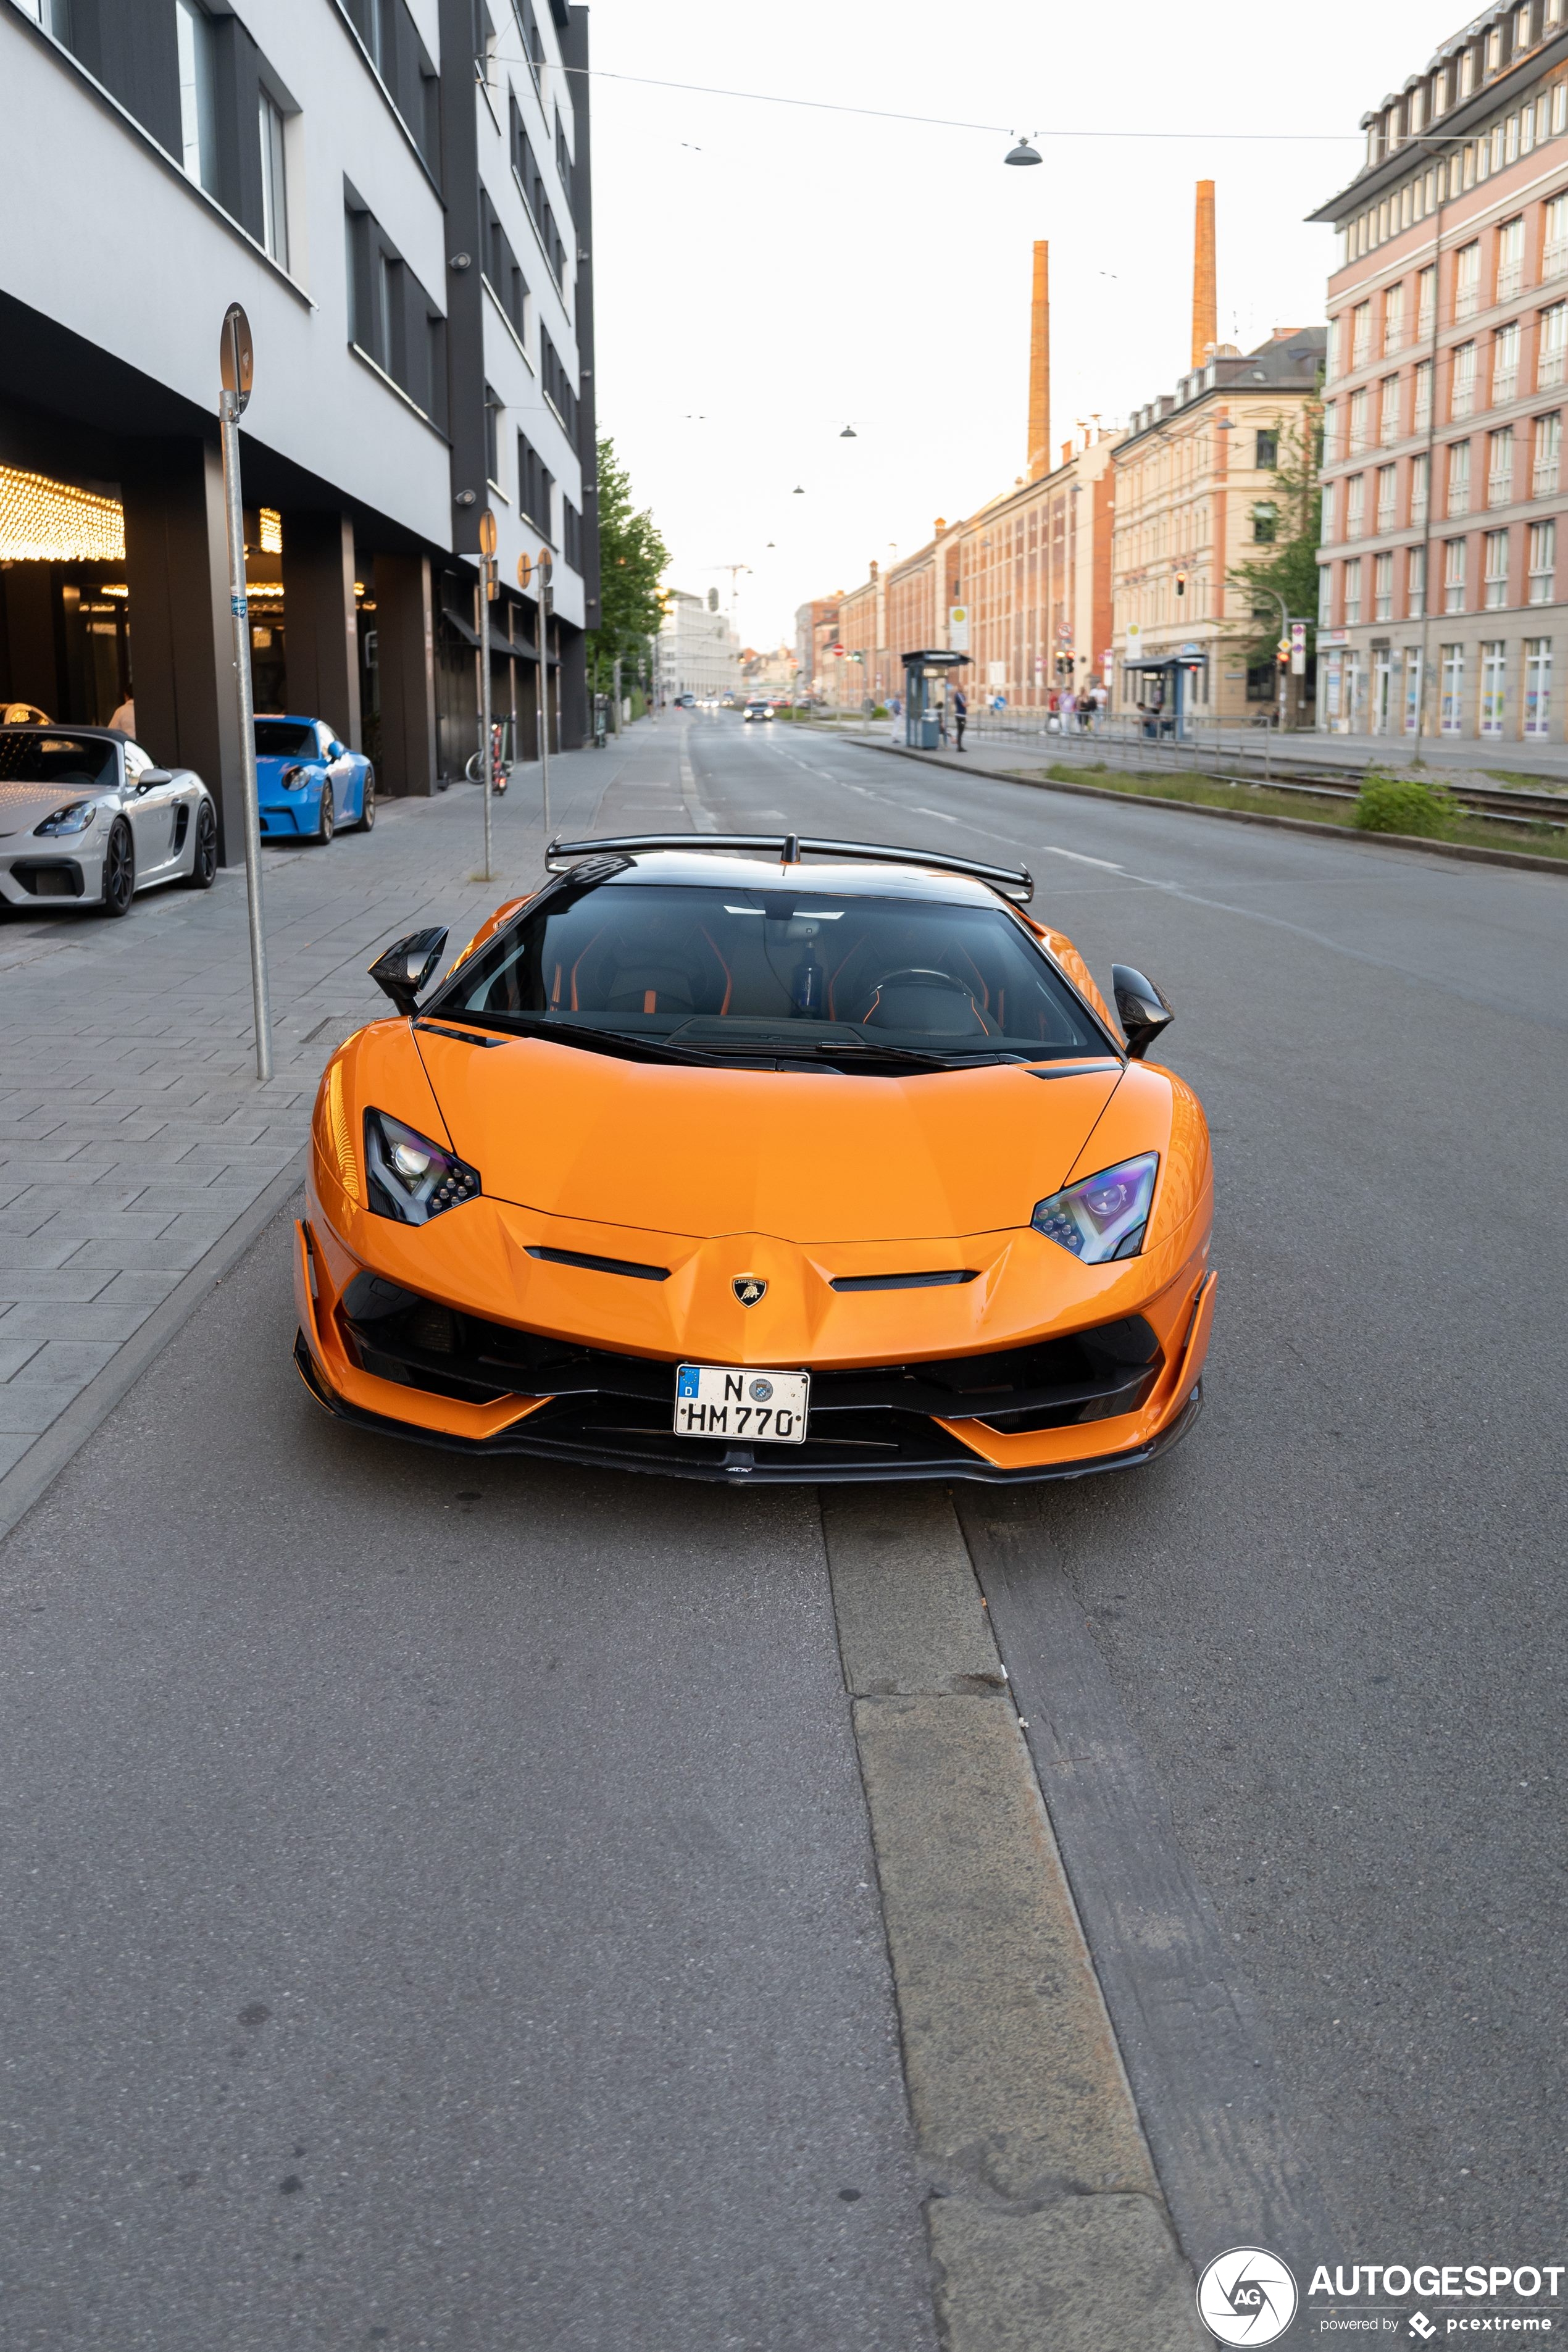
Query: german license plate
[(724, 1401)]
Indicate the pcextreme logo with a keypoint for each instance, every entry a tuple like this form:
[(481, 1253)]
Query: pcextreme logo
[(1247, 2297)]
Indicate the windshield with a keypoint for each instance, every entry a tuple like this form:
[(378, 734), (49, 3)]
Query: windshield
[(284, 739), (86, 761), (786, 973)]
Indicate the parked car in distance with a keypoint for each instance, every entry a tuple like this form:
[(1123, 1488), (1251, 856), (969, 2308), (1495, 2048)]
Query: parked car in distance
[(758, 709), (87, 818), (686, 702), (308, 780)]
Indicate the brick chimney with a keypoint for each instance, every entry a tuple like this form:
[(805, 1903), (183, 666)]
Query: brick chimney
[(1205, 296), (1040, 364)]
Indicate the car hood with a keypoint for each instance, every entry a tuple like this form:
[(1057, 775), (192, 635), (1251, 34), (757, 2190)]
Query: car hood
[(24, 806), (810, 1156)]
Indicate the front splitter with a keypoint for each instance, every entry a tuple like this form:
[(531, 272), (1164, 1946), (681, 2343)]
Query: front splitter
[(740, 1468)]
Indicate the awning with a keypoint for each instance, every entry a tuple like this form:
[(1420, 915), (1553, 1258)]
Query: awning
[(1166, 661), (500, 650)]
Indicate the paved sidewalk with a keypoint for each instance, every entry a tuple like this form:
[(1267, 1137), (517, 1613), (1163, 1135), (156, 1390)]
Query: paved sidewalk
[(134, 1134)]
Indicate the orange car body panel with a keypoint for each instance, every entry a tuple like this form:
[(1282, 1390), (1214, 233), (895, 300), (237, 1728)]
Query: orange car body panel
[(794, 1177)]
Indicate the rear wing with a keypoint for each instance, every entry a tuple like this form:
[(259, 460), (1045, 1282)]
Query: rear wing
[(1014, 882)]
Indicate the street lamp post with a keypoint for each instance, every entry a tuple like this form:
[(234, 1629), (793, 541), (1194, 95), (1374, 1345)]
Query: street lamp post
[(236, 368), (544, 567)]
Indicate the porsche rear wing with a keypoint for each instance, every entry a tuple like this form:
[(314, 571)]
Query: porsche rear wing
[(1014, 882)]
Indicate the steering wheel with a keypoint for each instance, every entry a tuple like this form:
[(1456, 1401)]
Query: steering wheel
[(922, 976)]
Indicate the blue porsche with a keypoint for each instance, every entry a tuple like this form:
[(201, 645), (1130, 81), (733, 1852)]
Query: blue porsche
[(309, 781)]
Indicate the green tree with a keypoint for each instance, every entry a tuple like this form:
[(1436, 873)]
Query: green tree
[(632, 556), (1290, 568)]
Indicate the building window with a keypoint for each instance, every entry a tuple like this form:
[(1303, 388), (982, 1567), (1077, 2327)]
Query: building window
[(1358, 422), (1266, 456), (493, 407), (558, 389), (1510, 251), (1331, 362), (1266, 520), (1383, 588), (1420, 477), (1495, 578), (1393, 321), (1459, 477), (391, 319), (198, 125), (1467, 280), (54, 16), (1464, 381), (1427, 302), (1553, 343), (1422, 416), (1413, 689), (1453, 575), (274, 186), (1388, 411), (1352, 591), (571, 534), (1542, 562), (1555, 237), (1325, 595), (1355, 505), (1548, 449), (1416, 583), (535, 483), (1493, 690), (1500, 467), (500, 269), (1505, 364), (1537, 687), (1387, 481), (1361, 334), (1452, 714)]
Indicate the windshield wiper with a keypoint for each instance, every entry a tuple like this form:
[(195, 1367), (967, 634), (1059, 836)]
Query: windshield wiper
[(566, 1033)]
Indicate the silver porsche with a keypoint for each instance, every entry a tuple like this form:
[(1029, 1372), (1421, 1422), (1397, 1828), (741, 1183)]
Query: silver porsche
[(86, 819)]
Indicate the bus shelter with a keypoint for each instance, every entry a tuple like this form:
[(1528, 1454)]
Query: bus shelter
[(1165, 686), (922, 725)]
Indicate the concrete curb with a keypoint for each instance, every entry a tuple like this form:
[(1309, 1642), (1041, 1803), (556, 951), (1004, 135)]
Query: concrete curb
[(1046, 2219), (1467, 852), (27, 1480)]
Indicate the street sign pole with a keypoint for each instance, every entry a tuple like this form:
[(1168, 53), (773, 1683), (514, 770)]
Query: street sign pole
[(544, 569), (236, 367), (487, 550)]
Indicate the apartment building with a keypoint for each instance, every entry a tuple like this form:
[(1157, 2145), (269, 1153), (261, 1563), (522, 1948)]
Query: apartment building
[(815, 628), (397, 190), (1443, 608), (695, 650), (1034, 577), (1195, 495)]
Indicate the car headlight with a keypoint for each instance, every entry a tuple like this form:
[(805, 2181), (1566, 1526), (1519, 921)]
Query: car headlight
[(72, 816), (1104, 1216), (292, 779), (411, 1177)]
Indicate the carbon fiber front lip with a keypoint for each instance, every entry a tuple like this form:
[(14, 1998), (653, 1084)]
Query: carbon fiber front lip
[(516, 1441)]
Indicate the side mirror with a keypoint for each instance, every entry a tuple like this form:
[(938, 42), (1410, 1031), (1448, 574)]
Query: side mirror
[(335, 750), (151, 776), (1142, 1012), (404, 970)]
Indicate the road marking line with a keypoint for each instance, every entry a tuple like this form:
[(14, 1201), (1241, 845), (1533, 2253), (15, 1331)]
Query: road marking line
[(1021, 2112)]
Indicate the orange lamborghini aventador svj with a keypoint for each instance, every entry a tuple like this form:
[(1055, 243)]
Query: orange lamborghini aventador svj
[(755, 1159)]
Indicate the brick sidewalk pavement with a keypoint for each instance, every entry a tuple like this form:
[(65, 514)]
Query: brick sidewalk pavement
[(133, 1135)]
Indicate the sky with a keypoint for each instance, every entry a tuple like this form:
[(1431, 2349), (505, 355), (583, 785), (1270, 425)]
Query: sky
[(766, 274)]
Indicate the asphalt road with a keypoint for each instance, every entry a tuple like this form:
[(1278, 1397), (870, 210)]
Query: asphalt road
[(440, 1901), (1334, 1618)]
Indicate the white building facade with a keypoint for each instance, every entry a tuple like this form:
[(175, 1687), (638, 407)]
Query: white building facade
[(410, 241), (696, 651)]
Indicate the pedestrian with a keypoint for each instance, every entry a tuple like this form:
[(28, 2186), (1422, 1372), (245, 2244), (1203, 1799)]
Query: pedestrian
[(124, 719), (942, 708), (960, 713), (1069, 710), (1085, 710)]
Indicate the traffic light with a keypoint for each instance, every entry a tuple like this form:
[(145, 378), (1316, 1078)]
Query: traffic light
[(1282, 653), (1181, 579)]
